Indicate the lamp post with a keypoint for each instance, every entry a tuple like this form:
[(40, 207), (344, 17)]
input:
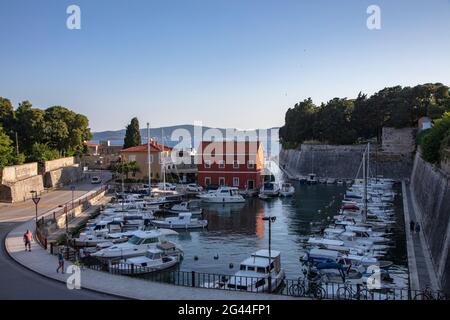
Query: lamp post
[(271, 220), (36, 200), (72, 188)]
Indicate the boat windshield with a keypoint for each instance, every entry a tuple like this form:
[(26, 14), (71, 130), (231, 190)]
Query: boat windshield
[(135, 240)]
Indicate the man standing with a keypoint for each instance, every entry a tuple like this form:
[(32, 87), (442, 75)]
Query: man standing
[(412, 226), (27, 240)]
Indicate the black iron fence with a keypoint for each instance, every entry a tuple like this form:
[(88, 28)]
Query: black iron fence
[(65, 209), (299, 288)]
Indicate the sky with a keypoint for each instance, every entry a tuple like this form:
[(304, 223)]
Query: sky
[(225, 63)]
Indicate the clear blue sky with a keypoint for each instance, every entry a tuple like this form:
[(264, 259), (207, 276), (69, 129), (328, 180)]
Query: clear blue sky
[(228, 63)]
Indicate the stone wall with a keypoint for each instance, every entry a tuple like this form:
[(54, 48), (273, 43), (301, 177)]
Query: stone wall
[(431, 189), (17, 182), (399, 141), (343, 162), (445, 162), (58, 163), (21, 190), (17, 173)]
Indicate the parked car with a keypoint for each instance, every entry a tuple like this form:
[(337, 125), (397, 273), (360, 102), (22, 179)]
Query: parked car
[(96, 180), (168, 186), (212, 187)]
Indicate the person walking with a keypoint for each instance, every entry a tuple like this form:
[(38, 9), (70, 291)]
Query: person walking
[(412, 226), (417, 228), (27, 240), (60, 261)]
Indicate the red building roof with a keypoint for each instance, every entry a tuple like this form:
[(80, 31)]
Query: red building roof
[(154, 147)]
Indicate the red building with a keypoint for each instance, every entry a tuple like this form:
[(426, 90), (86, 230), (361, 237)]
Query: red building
[(231, 163)]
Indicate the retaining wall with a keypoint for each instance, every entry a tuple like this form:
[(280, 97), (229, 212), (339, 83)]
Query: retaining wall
[(431, 189)]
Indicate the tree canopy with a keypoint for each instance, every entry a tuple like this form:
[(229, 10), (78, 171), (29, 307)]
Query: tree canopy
[(132, 134), (347, 121), (43, 134), (436, 140)]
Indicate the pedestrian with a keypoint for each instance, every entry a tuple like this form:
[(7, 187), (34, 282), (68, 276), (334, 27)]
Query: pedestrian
[(412, 226), (417, 228), (83, 255), (60, 261), (27, 240)]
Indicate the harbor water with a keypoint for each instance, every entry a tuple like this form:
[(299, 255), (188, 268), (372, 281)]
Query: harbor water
[(237, 230)]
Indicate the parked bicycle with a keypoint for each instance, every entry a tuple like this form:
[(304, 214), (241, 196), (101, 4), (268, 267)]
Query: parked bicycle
[(427, 294), (308, 288), (351, 292)]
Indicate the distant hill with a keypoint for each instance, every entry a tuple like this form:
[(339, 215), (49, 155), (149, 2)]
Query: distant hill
[(116, 137)]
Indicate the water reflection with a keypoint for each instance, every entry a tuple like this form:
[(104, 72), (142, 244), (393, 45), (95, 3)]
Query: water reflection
[(235, 231)]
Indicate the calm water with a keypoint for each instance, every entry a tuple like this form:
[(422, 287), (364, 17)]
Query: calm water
[(237, 230)]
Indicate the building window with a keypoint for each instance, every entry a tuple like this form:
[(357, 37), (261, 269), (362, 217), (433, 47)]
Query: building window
[(235, 164), (207, 164), (235, 182), (221, 164), (207, 181), (251, 164), (221, 181), (132, 157)]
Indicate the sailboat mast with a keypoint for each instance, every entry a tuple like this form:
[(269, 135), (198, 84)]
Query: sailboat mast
[(164, 159), (149, 158), (364, 218)]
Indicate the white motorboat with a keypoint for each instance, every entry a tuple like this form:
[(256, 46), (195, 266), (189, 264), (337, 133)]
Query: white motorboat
[(287, 190), (137, 245), (331, 181), (222, 195), (155, 259), (193, 188), (183, 221), (254, 274), (312, 179), (187, 206), (270, 189)]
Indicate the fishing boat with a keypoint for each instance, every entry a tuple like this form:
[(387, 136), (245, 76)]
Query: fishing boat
[(155, 259), (287, 190), (183, 221), (137, 245), (311, 179), (187, 206), (270, 189), (255, 273), (222, 195)]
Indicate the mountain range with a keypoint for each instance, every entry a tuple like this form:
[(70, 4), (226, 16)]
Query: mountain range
[(116, 137)]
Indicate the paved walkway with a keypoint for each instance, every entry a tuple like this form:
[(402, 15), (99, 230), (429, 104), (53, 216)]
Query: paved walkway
[(18, 282), (40, 261), (421, 271)]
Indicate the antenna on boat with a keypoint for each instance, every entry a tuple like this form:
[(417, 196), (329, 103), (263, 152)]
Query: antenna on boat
[(149, 158)]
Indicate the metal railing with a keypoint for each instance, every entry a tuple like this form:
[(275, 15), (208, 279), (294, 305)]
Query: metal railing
[(51, 216), (299, 288)]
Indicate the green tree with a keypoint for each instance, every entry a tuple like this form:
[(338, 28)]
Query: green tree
[(435, 140), (30, 125), (41, 152), (7, 116), (133, 167), (6, 150), (132, 134)]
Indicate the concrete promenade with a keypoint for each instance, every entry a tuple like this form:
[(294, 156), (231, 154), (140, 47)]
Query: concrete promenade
[(41, 262), (18, 282), (421, 271)]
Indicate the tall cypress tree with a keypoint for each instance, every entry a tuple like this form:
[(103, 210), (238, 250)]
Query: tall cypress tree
[(133, 134)]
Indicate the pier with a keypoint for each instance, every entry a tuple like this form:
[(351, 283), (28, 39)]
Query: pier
[(421, 272)]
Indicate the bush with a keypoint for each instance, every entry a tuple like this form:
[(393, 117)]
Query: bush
[(435, 139)]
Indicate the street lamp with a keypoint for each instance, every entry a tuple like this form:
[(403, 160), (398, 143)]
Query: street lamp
[(271, 220), (73, 190), (36, 200)]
